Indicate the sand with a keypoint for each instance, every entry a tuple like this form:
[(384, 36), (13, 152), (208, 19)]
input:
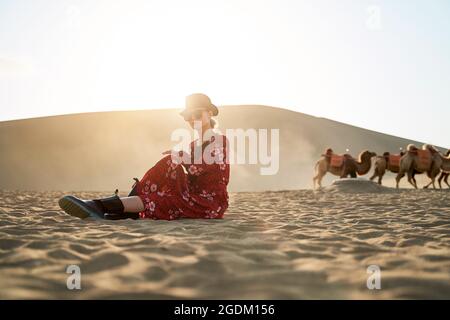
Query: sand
[(301, 244)]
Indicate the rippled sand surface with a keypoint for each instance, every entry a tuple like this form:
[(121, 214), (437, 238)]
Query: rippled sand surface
[(287, 244)]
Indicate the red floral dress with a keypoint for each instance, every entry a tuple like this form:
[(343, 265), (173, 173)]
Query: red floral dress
[(171, 190)]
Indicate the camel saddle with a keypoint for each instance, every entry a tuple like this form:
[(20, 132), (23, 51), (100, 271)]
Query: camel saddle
[(423, 160), (394, 160), (337, 160)]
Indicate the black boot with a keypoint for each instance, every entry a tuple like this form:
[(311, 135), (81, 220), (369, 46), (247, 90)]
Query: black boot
[(96, 208), (125, 215), (133, 191)]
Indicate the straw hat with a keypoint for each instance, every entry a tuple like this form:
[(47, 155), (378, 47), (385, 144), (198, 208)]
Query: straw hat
[(199, 101)]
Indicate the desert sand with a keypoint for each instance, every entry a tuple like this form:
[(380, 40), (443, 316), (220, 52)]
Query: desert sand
[(297, 244), (294, 244)]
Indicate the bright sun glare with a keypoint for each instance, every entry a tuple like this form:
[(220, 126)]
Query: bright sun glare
[(137, 60), (315, 57)]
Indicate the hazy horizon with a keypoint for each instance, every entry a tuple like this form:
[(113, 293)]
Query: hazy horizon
[(104, 151), (221, 108)]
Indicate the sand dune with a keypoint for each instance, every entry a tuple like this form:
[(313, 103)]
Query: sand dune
[(356, 185), (285, 244), (104, 151)]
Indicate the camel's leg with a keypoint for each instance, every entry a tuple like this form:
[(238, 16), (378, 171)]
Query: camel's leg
[(433, 176), (399, 176), (375, 174), (410, 180), (353, 174), (414, 179), (446, 179), (316, 174), (345, 172), (431, 183), (433, 180), (415, 183), (426, 187), (441, 176), (318, 178)]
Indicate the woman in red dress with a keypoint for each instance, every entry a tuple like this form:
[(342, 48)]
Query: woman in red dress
[(181, 185)]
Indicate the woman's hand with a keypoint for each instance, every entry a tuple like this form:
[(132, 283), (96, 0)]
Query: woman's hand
[(180, 153)]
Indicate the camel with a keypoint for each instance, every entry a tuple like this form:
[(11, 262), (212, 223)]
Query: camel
[(443, 177), (428, 160), (383, 164), (444, 174), (349, 166)]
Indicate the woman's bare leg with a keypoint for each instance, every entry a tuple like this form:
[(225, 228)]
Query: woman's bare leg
[(132, 204)]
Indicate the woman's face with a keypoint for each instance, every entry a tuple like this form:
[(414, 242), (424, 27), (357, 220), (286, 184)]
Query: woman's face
[(202, 116)]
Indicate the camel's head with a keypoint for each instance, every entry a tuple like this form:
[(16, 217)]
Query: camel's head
[(366, 154)]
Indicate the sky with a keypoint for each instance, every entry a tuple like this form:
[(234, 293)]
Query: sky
[(380, 65)]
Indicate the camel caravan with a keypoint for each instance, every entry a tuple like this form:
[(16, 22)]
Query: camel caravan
[(411, 162)]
